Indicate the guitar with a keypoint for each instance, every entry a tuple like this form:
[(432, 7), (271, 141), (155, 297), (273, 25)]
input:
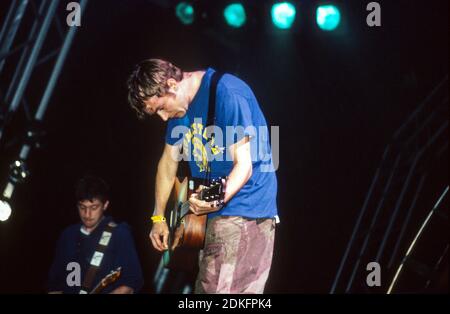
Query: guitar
[(107, 280), (187, 230)]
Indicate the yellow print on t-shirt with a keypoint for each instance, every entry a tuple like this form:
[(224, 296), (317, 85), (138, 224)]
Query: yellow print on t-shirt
[(197, 133)]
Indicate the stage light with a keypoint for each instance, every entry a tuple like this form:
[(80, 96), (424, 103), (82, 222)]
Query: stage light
[(283, 14), (235, 15), (19, 171), (185, 13), (5, 210), (328, 17)]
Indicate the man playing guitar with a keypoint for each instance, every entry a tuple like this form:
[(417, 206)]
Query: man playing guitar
[(239, 241)]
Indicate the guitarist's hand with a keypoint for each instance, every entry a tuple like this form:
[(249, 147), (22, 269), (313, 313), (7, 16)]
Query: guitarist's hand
[(159, 230), (199, 207)]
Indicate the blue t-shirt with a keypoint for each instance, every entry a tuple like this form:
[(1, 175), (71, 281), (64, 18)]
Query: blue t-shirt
[(237, 115), (75, 246)]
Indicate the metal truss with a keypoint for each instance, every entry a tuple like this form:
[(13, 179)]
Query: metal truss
[(32, 36), (404, 194)]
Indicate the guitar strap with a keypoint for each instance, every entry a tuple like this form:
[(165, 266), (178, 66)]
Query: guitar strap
[(211, 117), (97, 257), (184, 169)]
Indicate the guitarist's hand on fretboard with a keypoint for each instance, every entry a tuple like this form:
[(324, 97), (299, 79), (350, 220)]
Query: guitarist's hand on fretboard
[(205, 201), (200, 207)]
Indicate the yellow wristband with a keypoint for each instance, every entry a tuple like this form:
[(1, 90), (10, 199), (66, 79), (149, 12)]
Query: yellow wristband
[(158, 218)]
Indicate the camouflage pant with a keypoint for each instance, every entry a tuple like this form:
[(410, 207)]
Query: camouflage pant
[(237, 255)]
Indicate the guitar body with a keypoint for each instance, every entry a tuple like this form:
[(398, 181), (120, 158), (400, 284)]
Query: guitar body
[(187, 234), (187, 230), (194, 227)]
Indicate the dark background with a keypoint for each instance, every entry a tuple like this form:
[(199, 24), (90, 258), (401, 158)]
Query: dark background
[(337, 98)]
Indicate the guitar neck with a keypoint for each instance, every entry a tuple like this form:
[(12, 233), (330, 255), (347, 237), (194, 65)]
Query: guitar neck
[(98, 288), (184, 209)]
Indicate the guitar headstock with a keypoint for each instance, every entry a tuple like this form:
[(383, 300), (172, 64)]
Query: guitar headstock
[(214, 191), (112, 277)]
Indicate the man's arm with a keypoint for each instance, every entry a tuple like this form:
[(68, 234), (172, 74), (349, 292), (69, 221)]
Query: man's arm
[(242, 167), (239, 175), (122, 290), (165, 178)]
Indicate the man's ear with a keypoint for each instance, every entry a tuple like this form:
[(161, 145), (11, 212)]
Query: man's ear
[(172, 84), (147, 108), (105, 206)]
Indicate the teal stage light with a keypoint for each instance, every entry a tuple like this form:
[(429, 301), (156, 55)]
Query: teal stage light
[(235, 15), (185, 13), (283, 15), (328, 17)]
